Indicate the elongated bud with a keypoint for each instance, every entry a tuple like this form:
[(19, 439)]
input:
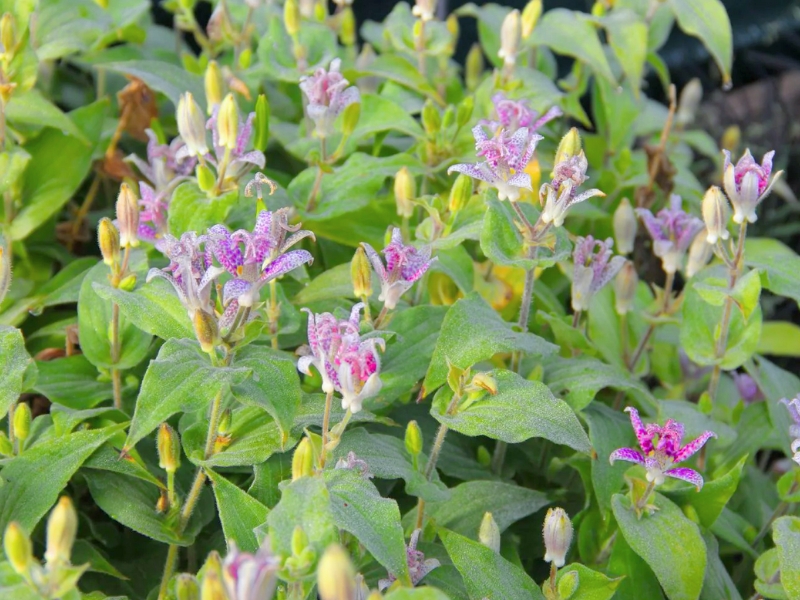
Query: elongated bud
[(625, 227), (18, 548), (186, 587), (127, 217), (413, 439), (405, 192), (5, 272), (510, 34), (449, 117), (361, 273), (431, 119), (228, 122), (261, 123), (8, 36), (213, 85), (291, 17), (569, 146), (205, 328), (485, 382), (557, 536), (336, 577), (731, 138), (350, 118), (108, 240), (474, 66), (205, 178), (625, 285), (169, 448), (192, 125), (689, 102), (716, 214), (347, 27), (460, 193), (22, 421), (489, 532), (6, 448), (213, 588), (464, 114), (62, 527), (302, 460), (530, 17), (299, 541), (700, 252), (225, 422)]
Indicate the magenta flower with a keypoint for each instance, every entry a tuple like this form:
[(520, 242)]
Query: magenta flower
[(660, 459), (328, 95), (418, 566), (748, 183), (506, 157), (513, 114), (561, 193), (594, 267), (404, 266), (256, 258), (250, 576), (672, 231), (348, 363), (241, 160)]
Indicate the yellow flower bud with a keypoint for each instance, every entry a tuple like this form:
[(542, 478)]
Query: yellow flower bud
[(245, 58), (474, 66), (5, 272), (465, 111), (413, 439), (62, 527), (302, 460), (169, 448), (108, 240), (127, 217), (530, 17), (8, 36), (489, 532), (557, 536), (213, 84), (6, 449), (453, 27), (225, 422), (17, 545), (510, 34), (405, 192), (261, 123), (205, 328), (625, 225), (716, 214), (486, 382), (291, 17), (460, 193), (336, 577), (22, 421), (731, 138), (569, 146), (128, 283), (299, 541), (361, 274), (186, 587), (431, 119), (700, 253), (213, 588), (347, 27), (205, 178), (228, 122), (625, 285), (192, 125), (689, 102)]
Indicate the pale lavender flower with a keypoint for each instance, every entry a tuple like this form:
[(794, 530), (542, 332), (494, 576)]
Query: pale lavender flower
[(418, 566), (404, 266), (348, 363), (659, 459), (352, 462), (513, 114), (747, 387), (561, 193), (793, 406), (672, 230), (748, 183), (328, 95), (250, 576), (256, 258), (594, 268), (241, 160), (506, 157)]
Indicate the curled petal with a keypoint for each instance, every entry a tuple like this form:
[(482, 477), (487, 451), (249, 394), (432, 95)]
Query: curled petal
[(627, 454), (153, 273), (304, 364), (375, 260), (480, 171), (234, 289), (643, 436), (296, 237), (285, 263), (686, 474), (689, 449)]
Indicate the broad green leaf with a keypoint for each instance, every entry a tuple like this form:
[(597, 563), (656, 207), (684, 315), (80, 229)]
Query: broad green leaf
[(107, 458), (191, 209), (638, 580), (472, 331), (487, 574), (171, 80), (592, 585), (304, 503), (398, 69), (708, 21), (357, 507), (786, 533), (64, 287), (779, 338), (14, 359), (419, 593), (776, 383), (520, 410), (268, 476), (627, 36), (669, 542), (65, 420), (84, 552), (457, 264), (382, 114), (72, 381), (489, 19), (238, 511), (275, 49), (717, 583), (13, 162), (768, 576), (31, 108), (779, 266), (333, 283)]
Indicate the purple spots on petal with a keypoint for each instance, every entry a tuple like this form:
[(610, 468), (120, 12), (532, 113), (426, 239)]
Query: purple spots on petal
[(686, 474)]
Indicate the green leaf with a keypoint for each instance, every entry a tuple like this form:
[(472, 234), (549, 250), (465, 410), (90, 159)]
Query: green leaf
[(768, 576), (14, 359), (472, 331), (72, 381), (420, 593), (191, 209), (357, 507), (381, 114), (786, 533), (47, 187), (333, 283), (779, 266), (592, 585), (457, 264), (627, 36), (708, 21), (669, 542), (64, 287), (31, 108), (520, 410), (717, 583), (239, 513), (398, 69), (26, 499), (83, 552), (13, 586), (107, 458), (171, 80), (638, 580), (487, 574), (304, 503), (779, 338)]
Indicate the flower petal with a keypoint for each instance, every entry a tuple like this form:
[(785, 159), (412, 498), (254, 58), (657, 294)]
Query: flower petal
[(686, 474), (689, 449), (627, 454), (644, 437), (285, 263)]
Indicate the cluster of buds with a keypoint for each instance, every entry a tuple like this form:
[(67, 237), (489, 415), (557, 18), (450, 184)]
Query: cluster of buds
[(672, 231), (123, 233), (594, 267), (328, 95), (57, 577), (418, 565), (793, 406)]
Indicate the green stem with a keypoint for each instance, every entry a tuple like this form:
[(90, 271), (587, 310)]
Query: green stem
[(274, 312), (223, 167), (169, 566), (642, 502), (326, 423), (553, 574)]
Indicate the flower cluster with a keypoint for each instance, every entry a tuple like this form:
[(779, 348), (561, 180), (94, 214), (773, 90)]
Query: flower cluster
[(660, 457), (328, 95), (561, 193), (672, 230), (594, 267), (747, 183), (347, 361), (418, 565), (240, 160)]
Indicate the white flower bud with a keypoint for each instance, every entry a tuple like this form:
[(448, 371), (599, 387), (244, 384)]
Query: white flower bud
[(624, 227), (192, 125), (557, 536), (716, 214), (510, 35)]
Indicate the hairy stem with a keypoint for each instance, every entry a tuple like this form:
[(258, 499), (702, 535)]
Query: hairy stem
[(642, 502), (553, 574), (326, 423), (274, 312)]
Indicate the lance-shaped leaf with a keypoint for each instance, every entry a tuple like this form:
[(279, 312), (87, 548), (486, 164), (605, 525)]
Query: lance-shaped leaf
[(14, 359), (238, 511)]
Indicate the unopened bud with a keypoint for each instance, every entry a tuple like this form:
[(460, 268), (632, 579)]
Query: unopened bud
[(569, 146), (336, 577), (186, 587), (557, 536), (689, 102), (213, 85), (510, 34), (731, 138), (464, 114), (108, 240), (485, 382), (599, 9), (449, 117), (192, 124), (62, 527), (474, 66), (361, 274), (22, 421), (299, 541), (169, 448), (205, 328), (568, 585), (625, 288), (213, 588), (700, 253), (716, 214), (302, 460), (530, 17), (18, 548), (8, 35), (405, 192), (128, 283), (127, 217), (225, 422), (162, 504), (245, 58), (431, 119), (6, 448), (625, 227), (291, 17), (489, 532), (350, 118), (460, 193), (347, 27), (413, 439), (228, 122), (261, 123), (205, 178)]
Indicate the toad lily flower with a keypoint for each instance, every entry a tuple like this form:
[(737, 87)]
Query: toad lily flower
[(660, 459), (348, 363), (793, 406), (418, 566), (594, 268), (672, 231), (256, 258), (404, 265), (328, 95), (513, 114), (250, 576), (241, 161), (747, 183), (506, 158), (561, 193)]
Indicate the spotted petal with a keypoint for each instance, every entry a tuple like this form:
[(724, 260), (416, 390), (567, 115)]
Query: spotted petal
[(644, 438), (479, 171), (689, 449), (627, 454), (686, 474), (285, 263)]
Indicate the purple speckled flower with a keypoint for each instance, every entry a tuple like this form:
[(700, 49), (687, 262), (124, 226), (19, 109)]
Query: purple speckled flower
[(561, 193), (250, 576), (352, 462), (241, 159), (659, 459), (747, 183), (328, 95), (418, 566), (594, 267), (513, 114), (348, 363), (672, 230), (404, 265), (747, 387), (256, 258), (793, 406)]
